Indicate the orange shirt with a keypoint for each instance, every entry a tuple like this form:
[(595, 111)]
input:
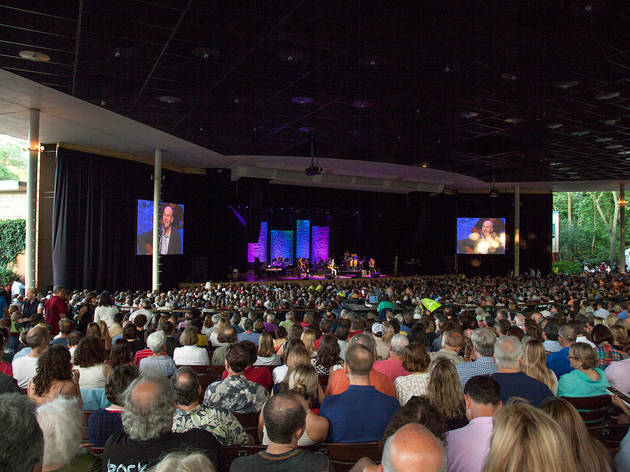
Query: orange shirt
[(338, 383)]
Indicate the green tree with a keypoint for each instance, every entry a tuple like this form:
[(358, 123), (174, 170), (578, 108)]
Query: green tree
[(12, 158)]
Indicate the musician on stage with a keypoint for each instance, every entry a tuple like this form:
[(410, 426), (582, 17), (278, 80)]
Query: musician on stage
[(332, 267), (371, 265)]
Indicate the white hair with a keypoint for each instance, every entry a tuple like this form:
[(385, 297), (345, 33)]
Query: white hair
[(61, 422), (156, 341), (182, 462), (508, 351), (398, 343)]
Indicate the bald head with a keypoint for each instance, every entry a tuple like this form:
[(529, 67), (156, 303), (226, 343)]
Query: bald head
[(413, 447)]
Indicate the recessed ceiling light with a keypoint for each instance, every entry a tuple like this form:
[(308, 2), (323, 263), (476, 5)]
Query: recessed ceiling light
[(555, 125), (514, 120), (624, 153), (565, 84), (371, 60), (34, 56), (556, 163), (206, 53), (580, 133), (469, 114), (603, 140), (614, 146), (258, 128), (611, 122), (169, 99), (306, 129), (607, 95), (302, 100), (508, 76), (236, 100), (290, 55), (362, 104), (424, 165)]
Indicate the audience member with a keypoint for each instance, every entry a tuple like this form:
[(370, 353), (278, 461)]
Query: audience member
[(295, 354), (259, 375), (55, 309), (418, 410), (73, 341), (361, 412), (104, 422), (590, 455), (21, 438), (525, 439), (248, 334), (392, 367), (266, 352), (585, 380), (416, 361), (605, 353), (618, 374), (452, 346), (445, 393), (61, 421), (121, 353), (535, 364), (227, 339), (482, 340), (65, 328), (147, 419), (89, 360), (158, 360), (328, 355), (171, 343), (236, 393), (338, 382), (559, 361), (467, 447), (105, 310), (550, 334), (284, 417), (54, 377), (25, 367), (184, 462), (190, 353), (508, 355)]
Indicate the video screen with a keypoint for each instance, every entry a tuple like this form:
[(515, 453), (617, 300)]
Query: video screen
[(171, 231), (480, 235)]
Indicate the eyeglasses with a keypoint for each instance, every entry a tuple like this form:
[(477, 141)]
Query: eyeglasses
[(571, 357)]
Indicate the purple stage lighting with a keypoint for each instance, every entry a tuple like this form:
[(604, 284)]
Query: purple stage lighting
[(258, 249), (282, 244), (319, 241), (303, 239)]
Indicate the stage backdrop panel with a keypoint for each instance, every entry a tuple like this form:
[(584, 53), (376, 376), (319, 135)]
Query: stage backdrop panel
[(303, 239), (282, 244), (258, 249), (320, 243)]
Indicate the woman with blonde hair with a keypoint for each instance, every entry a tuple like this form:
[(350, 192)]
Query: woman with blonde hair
[(308, 338), (389, 334), (303, 380), (445, 393), (525, 439), (218, 330), (590, 455), (296, 354), (620, 336), (190, 353), (107, 339), (535, 364), (266, 353), (585, 380)]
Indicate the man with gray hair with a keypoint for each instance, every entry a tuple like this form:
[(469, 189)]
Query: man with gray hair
[(147, 422), (483, 340), (339, 383), (25, 367), (21, 439), (559, 361), (61, 421), (392, 367), (412, 447), (508, 355), (158, 360)]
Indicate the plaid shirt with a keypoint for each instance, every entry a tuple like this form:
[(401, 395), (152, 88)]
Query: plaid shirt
[(483, 366), (606, 354)]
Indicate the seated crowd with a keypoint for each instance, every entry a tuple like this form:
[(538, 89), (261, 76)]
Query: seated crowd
[(130, 382)]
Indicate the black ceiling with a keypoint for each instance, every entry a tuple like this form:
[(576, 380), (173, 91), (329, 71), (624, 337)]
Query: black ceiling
[(426, 67)]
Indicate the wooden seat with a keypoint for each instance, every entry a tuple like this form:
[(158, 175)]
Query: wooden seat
[(84, 426), (97, 451), (610, 435), (200, 369), (595, 411), (344, 456), (216, 370), (249, 421)]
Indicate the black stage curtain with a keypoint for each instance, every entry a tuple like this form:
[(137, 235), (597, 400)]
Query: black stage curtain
[(94, 214)]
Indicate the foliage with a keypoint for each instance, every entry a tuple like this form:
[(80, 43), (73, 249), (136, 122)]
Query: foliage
[(567, 267), (12, 159), (12, 240), (6, 276), (589, 233)]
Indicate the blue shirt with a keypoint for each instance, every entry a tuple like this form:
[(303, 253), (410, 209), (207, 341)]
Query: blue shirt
[(253, 337), (559, 362), (483, 366), (520, 385), (360, 414)]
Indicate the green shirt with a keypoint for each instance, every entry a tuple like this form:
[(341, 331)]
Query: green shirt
[(221, 423), (578, 384)]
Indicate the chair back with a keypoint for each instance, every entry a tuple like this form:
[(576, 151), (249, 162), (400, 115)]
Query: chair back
[(249, 422), (344, 456), (595, 411), (84, 426)]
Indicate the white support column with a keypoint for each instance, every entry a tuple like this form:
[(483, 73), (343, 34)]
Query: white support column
[(30, 275), (517, 230), (157, 191)]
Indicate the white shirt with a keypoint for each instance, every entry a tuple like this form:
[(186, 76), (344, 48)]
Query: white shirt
[(191, 355), (24, 369), (584, 339), (164, 239), (142, 311), (106, 314), (552, 346), (618, 374), (279, 373)]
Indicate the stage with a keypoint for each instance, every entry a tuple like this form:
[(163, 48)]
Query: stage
[(250, 276)]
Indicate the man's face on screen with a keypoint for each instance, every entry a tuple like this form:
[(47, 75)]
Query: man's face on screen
[(167, 217)]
